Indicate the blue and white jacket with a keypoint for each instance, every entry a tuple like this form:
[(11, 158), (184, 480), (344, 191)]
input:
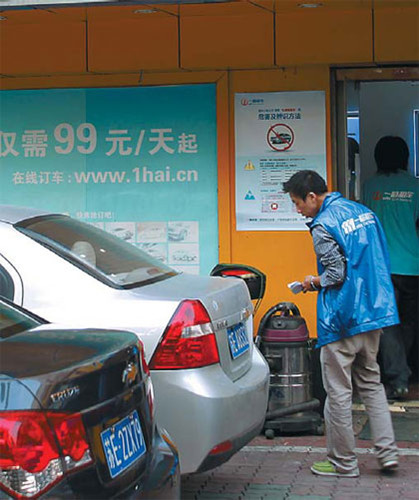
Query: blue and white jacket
[(365, 301)]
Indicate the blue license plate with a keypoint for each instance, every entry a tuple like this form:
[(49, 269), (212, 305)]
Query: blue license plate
[(238, 340), (123, 444)]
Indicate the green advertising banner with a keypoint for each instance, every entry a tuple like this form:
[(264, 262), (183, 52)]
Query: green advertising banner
[(139, 162)]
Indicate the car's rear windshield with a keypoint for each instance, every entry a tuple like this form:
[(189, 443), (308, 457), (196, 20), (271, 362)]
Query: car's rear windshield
[(13, 321), (101, 254)]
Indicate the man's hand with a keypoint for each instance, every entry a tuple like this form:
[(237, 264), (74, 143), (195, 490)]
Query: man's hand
[(311, 283)]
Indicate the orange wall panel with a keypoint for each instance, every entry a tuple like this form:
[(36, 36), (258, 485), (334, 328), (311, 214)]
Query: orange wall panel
[(42, 16), (322, 36), (131, 44), (42, 48), (396, 34), (242, 41)]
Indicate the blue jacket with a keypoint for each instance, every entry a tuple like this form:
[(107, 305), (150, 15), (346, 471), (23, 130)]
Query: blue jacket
[(365, 301)]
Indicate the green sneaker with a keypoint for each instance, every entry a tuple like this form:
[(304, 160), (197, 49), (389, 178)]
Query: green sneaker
[(389, 465), (326, 468)]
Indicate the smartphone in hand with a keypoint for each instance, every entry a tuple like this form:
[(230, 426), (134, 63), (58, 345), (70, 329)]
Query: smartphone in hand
[(295, 287)]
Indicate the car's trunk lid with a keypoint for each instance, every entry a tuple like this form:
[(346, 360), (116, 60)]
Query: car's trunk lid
[(97, 373), (230, 309)]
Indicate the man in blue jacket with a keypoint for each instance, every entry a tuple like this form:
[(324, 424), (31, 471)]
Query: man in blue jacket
[(355, 301)]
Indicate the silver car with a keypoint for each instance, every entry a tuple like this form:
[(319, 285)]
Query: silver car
[(210, 381)]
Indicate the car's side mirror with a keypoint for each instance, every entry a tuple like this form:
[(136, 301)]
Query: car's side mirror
[(254, 279)]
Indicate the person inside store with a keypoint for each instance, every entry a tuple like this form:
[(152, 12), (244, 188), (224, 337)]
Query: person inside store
[(355, 301), (393, 194)]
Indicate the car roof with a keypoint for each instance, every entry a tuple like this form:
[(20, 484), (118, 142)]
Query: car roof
[(12, 214)]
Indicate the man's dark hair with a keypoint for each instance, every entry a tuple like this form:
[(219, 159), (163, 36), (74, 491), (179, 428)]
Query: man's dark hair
[(304, 182), (391, 154)]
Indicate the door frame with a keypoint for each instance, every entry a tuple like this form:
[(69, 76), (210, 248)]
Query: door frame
[(339, 80)]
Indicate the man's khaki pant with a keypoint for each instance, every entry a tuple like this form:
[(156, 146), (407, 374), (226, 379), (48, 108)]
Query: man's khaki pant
[(348, 361)]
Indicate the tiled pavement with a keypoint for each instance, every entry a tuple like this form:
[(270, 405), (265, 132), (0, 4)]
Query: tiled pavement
[(280, 469)]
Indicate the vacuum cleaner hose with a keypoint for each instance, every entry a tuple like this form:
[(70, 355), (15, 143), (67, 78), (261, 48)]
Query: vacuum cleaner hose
[(312, 404)]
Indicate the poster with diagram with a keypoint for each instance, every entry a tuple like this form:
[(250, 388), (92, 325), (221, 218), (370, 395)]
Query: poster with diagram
[(276, 134), (140, 162), (175, 243)]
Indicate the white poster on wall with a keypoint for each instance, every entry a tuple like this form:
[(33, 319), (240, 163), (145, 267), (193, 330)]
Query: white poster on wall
[(277, 134)]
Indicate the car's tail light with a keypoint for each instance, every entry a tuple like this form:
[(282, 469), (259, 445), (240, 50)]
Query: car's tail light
[(71, 436), (189, 340), (147, 378), (144, 365), (33, 445), (222, 448)]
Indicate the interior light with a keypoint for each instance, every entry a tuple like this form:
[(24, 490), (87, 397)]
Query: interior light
[(312, 5), (145, 11)]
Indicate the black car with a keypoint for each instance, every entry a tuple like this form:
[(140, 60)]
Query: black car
[(76, 415)]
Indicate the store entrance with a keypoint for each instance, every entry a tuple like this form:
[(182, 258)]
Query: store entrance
[(372, 103)]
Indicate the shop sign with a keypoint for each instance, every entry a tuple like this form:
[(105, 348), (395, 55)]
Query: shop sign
[(140, 162)]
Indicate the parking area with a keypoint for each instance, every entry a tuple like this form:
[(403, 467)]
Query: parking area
[(280, 468)]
